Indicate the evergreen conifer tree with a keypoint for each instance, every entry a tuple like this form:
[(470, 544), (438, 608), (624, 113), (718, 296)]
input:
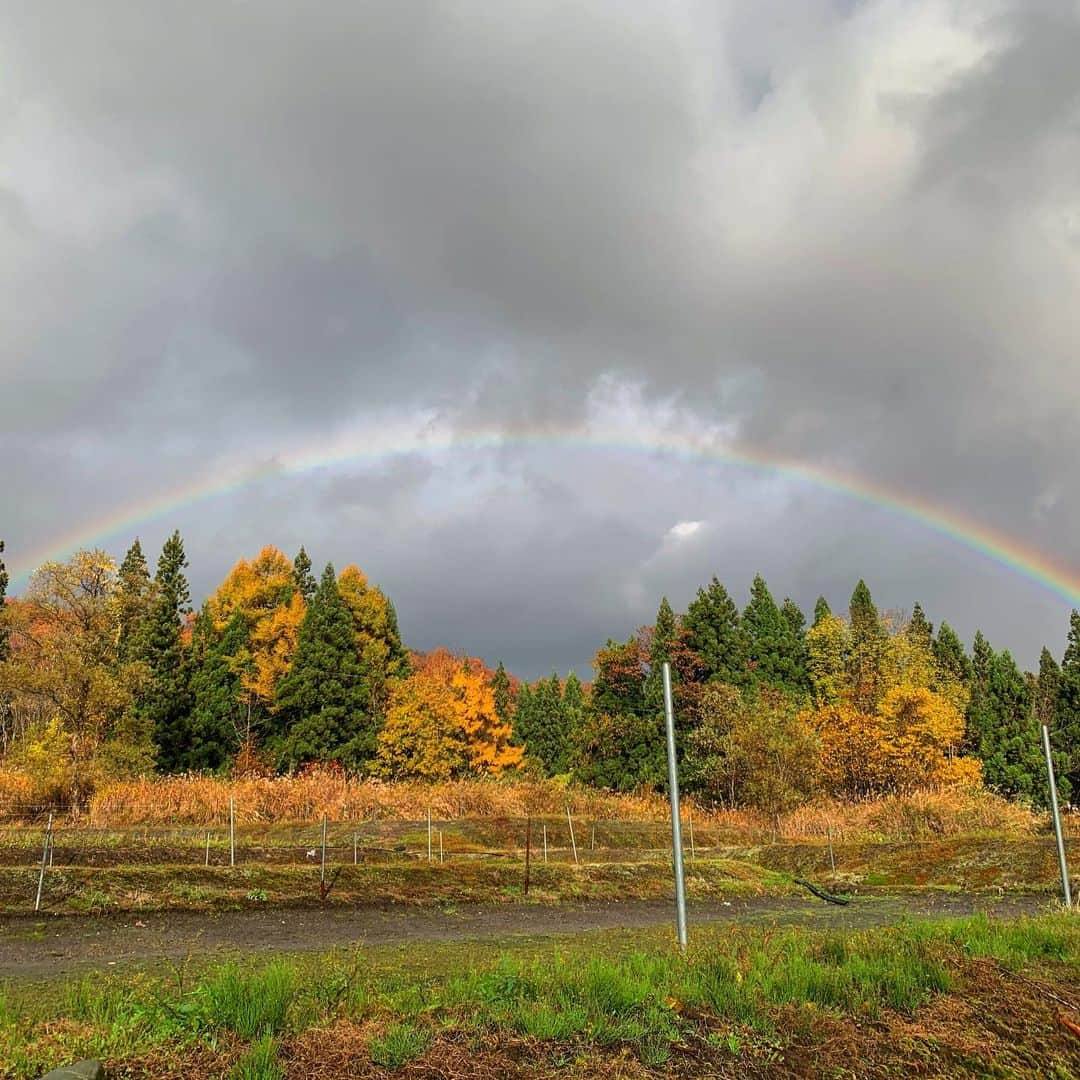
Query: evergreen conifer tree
[(774, 653), (398, 663), (573, 704), (1067, 708), (712, 633), (524, 715), (133, 597), (949, 655), (662, 644), (979, 719), (164, 701), (798, 681), (303, 578), (1010, 748), (918, 629), (821, 610), (548, 743), (324, 702), (222, 708), (504, 698), (867, 648)]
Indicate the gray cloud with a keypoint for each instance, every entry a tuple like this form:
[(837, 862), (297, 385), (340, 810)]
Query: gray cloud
[(848, 232)]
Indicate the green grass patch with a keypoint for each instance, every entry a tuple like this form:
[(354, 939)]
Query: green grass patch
[(399, 1044), (260, 1062), (627, 992), (252, 1004)]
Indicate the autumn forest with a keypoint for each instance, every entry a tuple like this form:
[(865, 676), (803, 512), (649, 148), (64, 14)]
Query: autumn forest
[(106, 673)]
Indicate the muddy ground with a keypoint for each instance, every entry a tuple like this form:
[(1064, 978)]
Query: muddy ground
[(51, 947)]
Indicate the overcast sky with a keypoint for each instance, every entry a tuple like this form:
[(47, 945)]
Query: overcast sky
[(843, 232)]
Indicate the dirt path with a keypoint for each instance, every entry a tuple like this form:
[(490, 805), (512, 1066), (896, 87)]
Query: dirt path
[(34, 948)]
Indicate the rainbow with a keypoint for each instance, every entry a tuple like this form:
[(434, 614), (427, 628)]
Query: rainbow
[(377, 445)]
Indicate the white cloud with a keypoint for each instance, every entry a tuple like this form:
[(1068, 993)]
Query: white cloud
[(683, 530)]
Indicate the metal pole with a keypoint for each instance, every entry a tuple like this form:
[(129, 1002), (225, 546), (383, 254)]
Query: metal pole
[(44, 861), (676, 825), (207, 849), (528, 852), (573, 843), (322, 871), (1057, 818), (232, 831), (832, 860), (354, 859), (441, 859), (545, 840), (429, 834)]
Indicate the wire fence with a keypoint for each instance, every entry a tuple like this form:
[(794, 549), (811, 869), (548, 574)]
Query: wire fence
[(555, 839)]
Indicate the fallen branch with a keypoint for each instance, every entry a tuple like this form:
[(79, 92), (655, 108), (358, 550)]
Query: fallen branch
[(829, 898)]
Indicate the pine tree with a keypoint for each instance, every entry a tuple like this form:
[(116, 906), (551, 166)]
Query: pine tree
[(949, 655), (398, 663), (979, 718), (662, 644), (1067, 708), (133, 597), (1010, 745), (573, 703), (222, 707), (821, 610), (164, 702), (324, 702), (504, 697), (303, 578), (524, 715), (764, 633), (795, 646), (712, 632), (918, 629), (548, 729), (1047, 698), (867, 649)]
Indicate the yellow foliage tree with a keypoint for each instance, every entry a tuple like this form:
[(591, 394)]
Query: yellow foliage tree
[(264, 593), (920, 731), (487, 737), (441, 723), (826, 649), (421, 737)]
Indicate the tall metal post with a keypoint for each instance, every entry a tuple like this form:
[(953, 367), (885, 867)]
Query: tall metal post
[(232, 831), (1057, 818), (44, 862), (676, 825), (322, 867)]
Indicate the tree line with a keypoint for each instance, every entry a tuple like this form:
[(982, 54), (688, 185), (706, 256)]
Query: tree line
[(107, 672)]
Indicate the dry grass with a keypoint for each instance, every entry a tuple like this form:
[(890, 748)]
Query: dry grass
[(203, 801), (199, 800)]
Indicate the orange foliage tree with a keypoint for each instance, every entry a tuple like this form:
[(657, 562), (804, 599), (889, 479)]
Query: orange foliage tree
[(441, 723)]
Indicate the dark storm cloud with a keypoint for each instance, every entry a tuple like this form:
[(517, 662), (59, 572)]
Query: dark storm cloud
[(848, 232)]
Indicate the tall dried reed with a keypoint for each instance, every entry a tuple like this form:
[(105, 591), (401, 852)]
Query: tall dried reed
[(201, 800)]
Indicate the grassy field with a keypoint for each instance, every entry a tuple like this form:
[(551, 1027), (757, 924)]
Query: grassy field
[(973, 997)]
